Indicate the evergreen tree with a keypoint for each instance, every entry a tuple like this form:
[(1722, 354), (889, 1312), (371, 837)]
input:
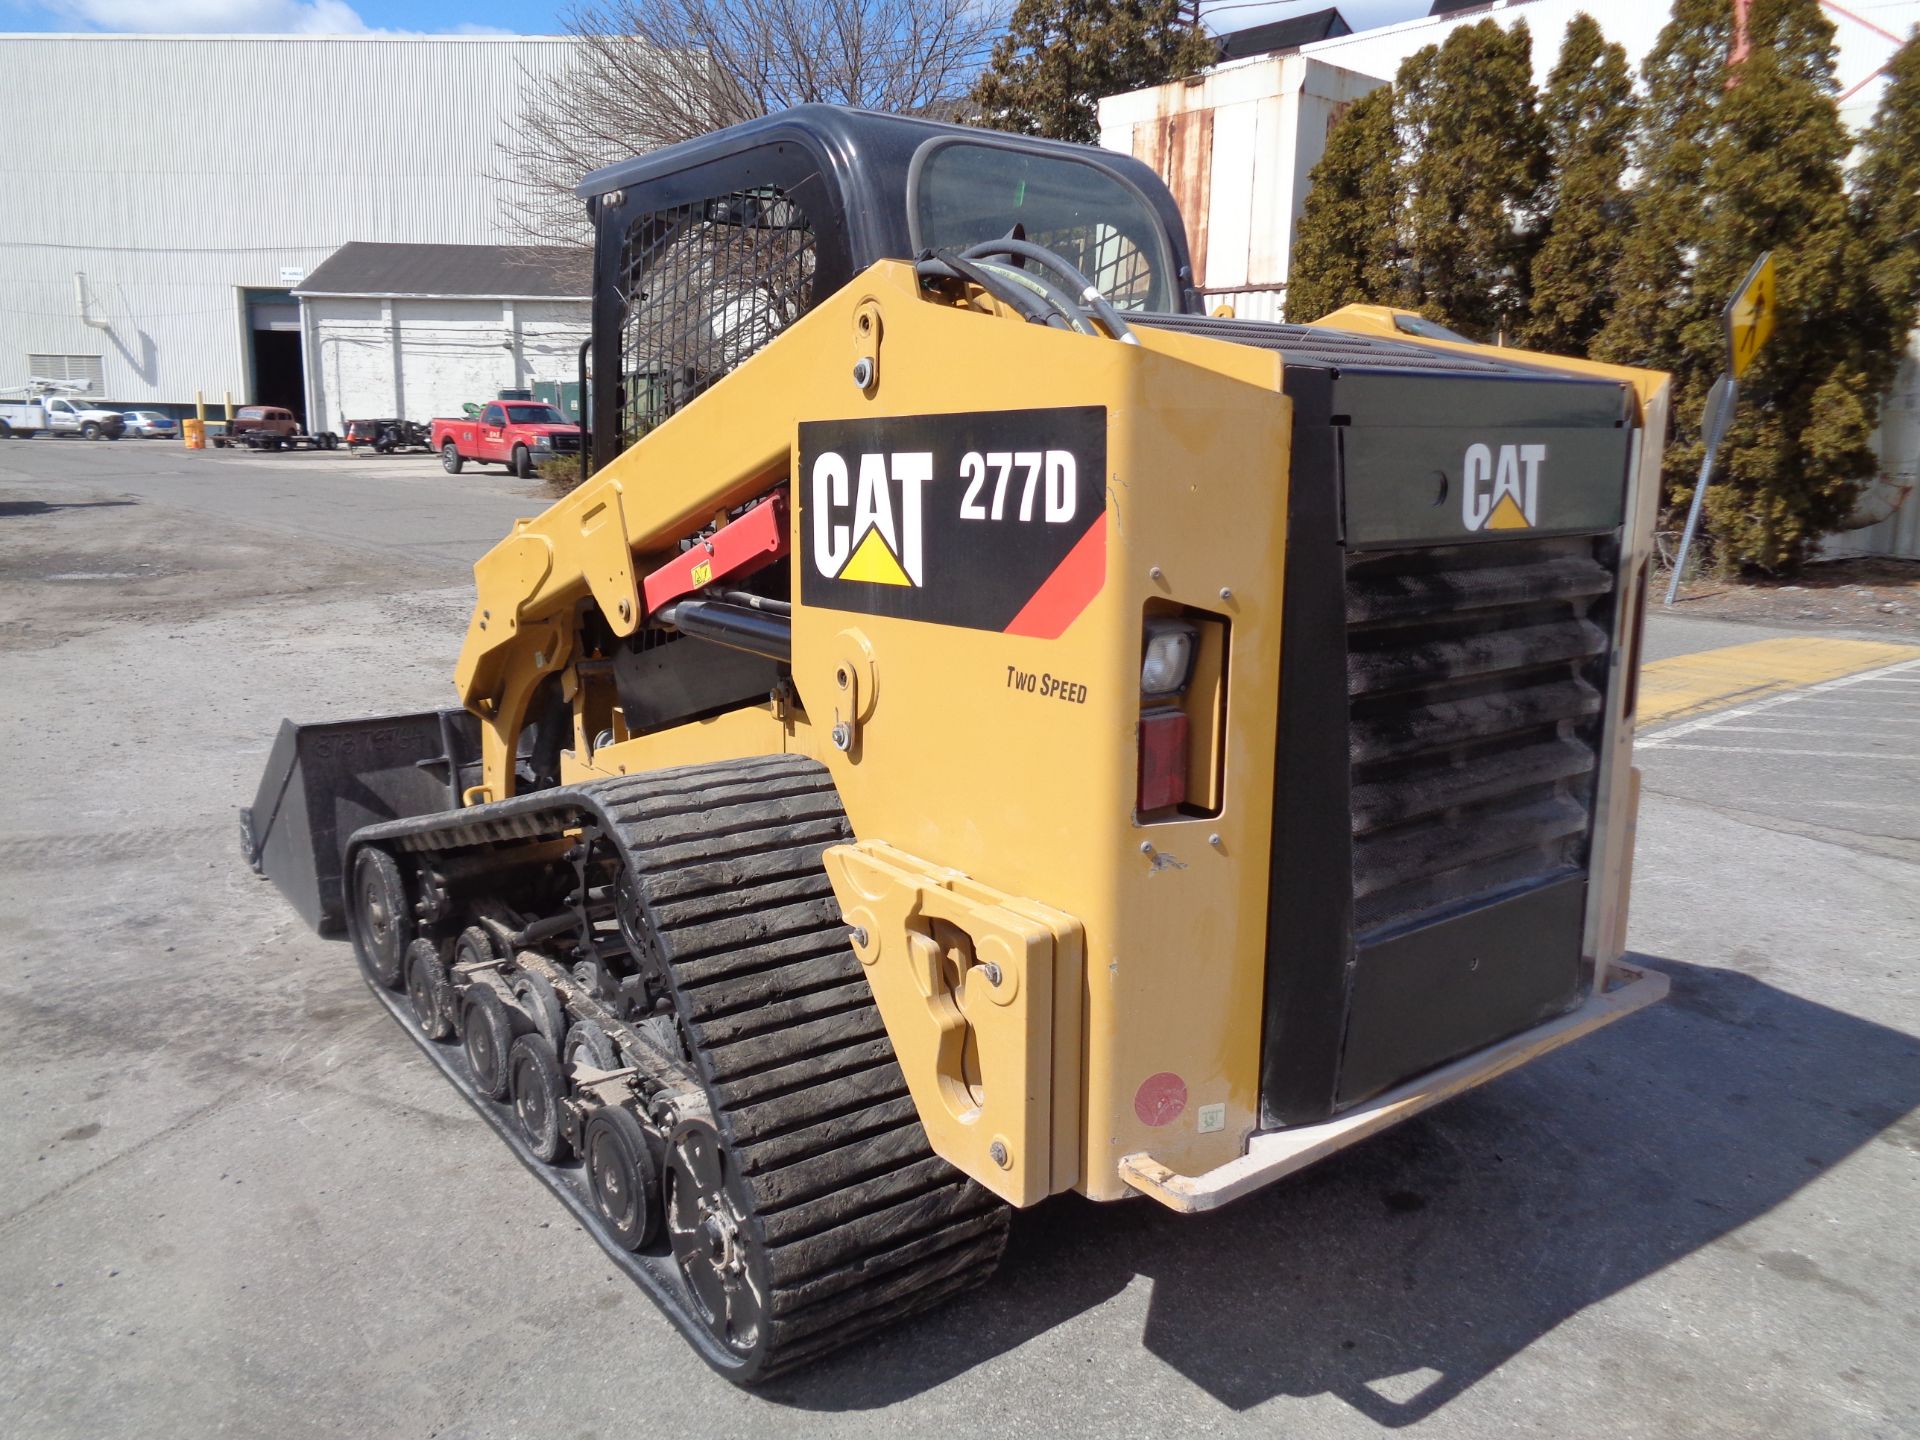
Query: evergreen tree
[(1473, 162), (1738, 162), (1343, 251), (1685, 77), (1776, 175), (1059, 57), (1886, 196), (1588, 110)]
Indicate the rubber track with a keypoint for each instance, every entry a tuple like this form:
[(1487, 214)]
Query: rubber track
[(860, 1223)]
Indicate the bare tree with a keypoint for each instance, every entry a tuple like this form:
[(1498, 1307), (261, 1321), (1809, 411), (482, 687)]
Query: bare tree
[(653, 72)]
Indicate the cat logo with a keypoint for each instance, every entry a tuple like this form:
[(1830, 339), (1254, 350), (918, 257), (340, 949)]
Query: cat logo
[(990, 520), (881, 542), (1512, 502)]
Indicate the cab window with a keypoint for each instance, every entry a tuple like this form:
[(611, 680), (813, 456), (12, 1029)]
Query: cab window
[(966, 191), (493, 415)]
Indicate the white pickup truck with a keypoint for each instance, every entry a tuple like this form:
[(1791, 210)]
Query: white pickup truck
[(58, 415)]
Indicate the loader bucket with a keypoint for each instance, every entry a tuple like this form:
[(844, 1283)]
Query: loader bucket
[(323, 782)]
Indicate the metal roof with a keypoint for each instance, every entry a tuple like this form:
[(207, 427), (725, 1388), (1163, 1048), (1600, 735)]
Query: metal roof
[(505, 272), (1288, 34)]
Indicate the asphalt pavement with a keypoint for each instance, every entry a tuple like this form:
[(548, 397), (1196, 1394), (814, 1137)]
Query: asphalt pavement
[(235, 1199)]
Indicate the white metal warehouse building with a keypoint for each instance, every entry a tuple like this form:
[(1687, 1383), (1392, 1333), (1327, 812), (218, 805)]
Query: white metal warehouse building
[(166, 195)]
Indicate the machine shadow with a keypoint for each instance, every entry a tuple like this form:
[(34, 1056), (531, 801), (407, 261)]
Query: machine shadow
[(1399, 1273), (10, 508)]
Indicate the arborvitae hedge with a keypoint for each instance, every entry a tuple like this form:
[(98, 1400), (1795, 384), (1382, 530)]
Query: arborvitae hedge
[(1506, 216)]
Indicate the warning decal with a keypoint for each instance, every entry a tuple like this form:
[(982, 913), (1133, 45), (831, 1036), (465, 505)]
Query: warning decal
[(992, 520)]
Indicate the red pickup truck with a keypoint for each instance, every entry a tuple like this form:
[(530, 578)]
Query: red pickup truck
[(516, 433)]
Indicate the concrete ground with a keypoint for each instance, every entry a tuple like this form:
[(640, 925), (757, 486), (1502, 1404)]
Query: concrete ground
[(234, 1198)]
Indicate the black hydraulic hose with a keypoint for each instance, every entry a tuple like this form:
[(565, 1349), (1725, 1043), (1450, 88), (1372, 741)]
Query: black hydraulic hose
[(1022, 301), (1040, 255), (755, 631), (1056, 298), (757, 602), (586, 414)]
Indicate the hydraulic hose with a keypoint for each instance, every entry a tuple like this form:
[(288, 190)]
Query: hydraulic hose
[(1056, 298), (1089, 292), (1020, 300)]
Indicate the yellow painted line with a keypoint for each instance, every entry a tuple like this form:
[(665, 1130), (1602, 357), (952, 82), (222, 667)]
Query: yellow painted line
[(1683, 686)]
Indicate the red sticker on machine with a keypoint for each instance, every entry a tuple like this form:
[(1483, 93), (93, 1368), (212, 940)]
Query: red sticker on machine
[(1161, 1099)]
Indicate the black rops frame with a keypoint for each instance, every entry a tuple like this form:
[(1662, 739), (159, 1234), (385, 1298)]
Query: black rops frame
[(846, 170)]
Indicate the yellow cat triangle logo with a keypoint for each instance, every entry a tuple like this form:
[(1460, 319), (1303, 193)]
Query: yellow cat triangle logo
[(873, 562), (1507, 516)]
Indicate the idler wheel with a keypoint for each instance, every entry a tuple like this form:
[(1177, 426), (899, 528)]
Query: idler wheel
[(379, 916), (712, 1243)]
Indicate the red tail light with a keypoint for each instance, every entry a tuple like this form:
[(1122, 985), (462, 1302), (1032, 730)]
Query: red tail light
[(1163, 759)]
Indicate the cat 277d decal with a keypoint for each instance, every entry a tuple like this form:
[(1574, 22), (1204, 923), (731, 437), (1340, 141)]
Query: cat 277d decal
[(993, 521)]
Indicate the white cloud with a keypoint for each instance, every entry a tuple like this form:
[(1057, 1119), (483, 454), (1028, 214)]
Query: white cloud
[(230, 17)]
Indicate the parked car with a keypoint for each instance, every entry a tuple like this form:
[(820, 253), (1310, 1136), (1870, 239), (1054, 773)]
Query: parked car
[(151, 425), (82, 418), (263, 421), (47, 405), (516, 433), (268, 427), (386, 436)]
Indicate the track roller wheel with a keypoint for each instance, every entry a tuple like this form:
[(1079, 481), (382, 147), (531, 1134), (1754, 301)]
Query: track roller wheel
[(542, 1006), (621, 1177), (475, 946), (378, 916), (429, 990), (588, 1044), (487, 1036), (537, 1088), (721, 1264)]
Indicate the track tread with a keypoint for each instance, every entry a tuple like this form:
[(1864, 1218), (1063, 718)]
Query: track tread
[(862, 1224)]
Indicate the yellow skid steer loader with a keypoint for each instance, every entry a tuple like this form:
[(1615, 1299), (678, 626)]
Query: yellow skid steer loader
[(985, 728)]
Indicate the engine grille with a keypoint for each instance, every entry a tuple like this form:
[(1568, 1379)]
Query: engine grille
[(1474, 681)]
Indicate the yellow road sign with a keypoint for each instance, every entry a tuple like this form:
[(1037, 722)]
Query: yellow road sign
[(1749, 316)]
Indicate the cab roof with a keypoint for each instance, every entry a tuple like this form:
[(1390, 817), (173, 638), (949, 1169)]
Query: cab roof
[(865, 159)]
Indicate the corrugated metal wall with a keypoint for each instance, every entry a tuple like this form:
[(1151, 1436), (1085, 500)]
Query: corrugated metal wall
[(176, 172), (1236, 150)]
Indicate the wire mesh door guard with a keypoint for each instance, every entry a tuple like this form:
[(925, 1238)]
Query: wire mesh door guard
[(707, 284)]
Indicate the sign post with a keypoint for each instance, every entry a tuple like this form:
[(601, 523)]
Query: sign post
[(1748, 321)]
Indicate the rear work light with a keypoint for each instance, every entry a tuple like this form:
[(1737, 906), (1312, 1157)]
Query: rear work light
[(1168, 658), (1168, 647)]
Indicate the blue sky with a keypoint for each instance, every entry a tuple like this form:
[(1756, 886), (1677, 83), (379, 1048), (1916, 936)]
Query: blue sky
[(283, 17), (533, 17)]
